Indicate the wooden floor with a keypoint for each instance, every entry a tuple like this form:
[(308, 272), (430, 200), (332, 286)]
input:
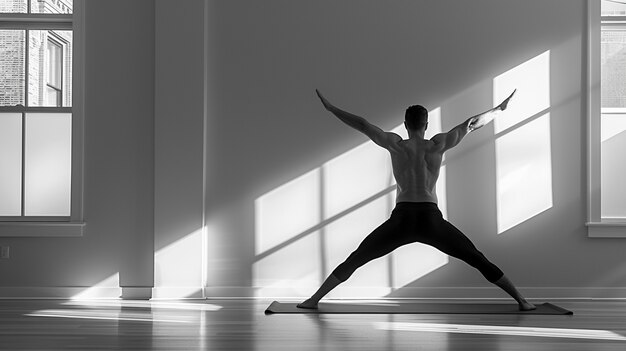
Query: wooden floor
[(242, 325)]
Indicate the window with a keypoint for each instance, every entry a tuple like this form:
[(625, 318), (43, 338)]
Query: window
[(40, 118), (607, 118), (54, 74)]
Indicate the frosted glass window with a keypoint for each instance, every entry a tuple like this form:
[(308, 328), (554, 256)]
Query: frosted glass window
[(10, 164), (613, 117), (48, 164), (613, 167)]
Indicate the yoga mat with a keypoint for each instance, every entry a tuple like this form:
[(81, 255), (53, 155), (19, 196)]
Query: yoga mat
[(415, 308)]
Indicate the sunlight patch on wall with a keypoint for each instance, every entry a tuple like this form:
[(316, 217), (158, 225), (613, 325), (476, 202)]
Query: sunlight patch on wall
[(107, 288), (414, 261), (354, 176), (532, 81), (178, 268), (287, 211), (523, 149), (524, 173)]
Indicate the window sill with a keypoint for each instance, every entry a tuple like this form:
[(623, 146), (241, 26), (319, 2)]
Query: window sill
[(41, 229), (606, 229)]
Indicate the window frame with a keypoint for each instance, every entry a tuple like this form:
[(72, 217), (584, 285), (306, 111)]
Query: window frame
[(597, 227), (55, 226)]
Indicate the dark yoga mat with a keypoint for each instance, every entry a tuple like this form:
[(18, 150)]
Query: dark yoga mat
[(414, 308)]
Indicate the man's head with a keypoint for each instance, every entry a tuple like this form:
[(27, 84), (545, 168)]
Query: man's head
[(416, 118)]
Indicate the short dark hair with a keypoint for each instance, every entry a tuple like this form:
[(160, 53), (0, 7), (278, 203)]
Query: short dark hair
[(416, 117)]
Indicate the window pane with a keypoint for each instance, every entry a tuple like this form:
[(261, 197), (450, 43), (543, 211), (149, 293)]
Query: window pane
[(10, 164), (55, 64), (51, 6), (613, 66), (13, 6), (12, 51), (48, 164), (50, 65), (613, 8), (613, 167)]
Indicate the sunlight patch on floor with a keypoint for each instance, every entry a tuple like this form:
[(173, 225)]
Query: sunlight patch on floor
[(103, 315), (500, 330)]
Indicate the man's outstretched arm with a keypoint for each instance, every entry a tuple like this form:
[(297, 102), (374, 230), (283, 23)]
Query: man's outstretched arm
[(456, 134), (377, 135)]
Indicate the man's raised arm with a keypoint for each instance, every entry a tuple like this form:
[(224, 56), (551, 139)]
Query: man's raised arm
[(455, 135), (377, 135)]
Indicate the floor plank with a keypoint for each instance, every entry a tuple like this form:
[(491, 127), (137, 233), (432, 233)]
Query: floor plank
[(242, 325)]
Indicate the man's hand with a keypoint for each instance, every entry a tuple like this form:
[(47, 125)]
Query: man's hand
[(325, 102), (484, 118), (476, 122), (504, 103)]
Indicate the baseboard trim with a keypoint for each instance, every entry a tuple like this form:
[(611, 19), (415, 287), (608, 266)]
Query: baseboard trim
[(177, 293), (437, 293), (441, 293), (136, 292), (56, 292)]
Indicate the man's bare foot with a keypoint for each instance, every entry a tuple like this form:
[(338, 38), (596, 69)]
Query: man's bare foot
[(526, 306), (308, 304)]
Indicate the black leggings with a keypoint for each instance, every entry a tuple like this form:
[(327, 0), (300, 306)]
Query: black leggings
[(417, 222)]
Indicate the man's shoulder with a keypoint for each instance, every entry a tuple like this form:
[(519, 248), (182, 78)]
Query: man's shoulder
[(394, 137), (393, 141)]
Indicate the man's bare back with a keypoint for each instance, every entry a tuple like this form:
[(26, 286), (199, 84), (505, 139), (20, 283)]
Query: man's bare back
[(416, 164)]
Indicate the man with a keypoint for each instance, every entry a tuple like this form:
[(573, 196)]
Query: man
[(416, 217)]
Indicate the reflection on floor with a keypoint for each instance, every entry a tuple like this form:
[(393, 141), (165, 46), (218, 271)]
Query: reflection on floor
[(242, 325)]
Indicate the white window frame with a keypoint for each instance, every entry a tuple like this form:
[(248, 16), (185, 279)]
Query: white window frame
[(74, 224), (597, 227)]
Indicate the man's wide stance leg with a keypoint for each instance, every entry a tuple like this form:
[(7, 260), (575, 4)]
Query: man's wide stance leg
[(380, 242), (453, 242)]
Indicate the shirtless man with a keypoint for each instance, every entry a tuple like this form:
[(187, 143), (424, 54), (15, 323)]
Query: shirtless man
[(416, 217)]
